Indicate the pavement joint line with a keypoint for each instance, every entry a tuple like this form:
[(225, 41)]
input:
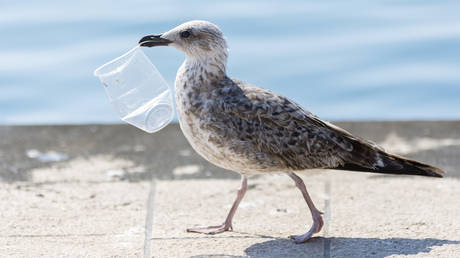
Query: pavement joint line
[(327, 218), (58, 235), (149, 219)]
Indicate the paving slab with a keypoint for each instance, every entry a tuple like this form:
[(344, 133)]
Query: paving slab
[(74, 209)]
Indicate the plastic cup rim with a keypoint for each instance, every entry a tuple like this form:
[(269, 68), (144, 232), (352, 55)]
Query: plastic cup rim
[(97, 71)]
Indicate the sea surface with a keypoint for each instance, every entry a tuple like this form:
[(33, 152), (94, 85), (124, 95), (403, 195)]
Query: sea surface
[(342, 60)]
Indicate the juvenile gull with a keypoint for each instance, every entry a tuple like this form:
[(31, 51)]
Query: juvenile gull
[(247, 129)]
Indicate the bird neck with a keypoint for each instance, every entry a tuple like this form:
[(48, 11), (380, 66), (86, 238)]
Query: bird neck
[(201, 74), (210, 66)]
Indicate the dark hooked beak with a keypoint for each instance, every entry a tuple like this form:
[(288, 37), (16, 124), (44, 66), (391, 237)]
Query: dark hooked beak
[(153, 41)]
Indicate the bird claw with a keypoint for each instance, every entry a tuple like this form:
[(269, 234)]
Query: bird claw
[(211, 230), (315, 228), (299, 239)]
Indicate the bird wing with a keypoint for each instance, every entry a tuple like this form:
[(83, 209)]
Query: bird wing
[(298, 139)]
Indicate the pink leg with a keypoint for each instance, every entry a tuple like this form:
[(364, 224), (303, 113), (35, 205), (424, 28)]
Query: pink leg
[(315, 213), (227, 225)]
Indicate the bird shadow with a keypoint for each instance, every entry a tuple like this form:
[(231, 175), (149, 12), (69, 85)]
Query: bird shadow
[(340, 247)]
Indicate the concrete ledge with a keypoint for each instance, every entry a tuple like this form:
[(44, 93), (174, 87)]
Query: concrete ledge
[(436, 142), (84, 191)]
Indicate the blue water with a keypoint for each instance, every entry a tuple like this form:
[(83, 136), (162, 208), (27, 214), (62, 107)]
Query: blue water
[(342, 60)]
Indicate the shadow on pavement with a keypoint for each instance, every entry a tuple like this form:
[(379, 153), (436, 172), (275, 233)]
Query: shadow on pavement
[(331, 247), (346, 247)]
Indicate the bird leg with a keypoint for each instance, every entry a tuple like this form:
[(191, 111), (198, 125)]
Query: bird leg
[(315, 213), (227, 225)]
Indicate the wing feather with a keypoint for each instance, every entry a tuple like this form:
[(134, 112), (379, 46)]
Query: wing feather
[(296, 137)]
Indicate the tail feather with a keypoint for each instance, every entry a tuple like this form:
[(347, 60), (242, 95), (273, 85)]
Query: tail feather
[(394, 164)]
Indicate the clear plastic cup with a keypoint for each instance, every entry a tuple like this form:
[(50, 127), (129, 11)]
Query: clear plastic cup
[(138, 92)]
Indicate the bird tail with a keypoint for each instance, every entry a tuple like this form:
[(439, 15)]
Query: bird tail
[(394, 164)]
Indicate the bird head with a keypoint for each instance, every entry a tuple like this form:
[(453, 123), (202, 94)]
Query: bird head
[(199, 40)]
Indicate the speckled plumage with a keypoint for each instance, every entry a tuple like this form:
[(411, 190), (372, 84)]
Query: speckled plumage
[(250, 130)]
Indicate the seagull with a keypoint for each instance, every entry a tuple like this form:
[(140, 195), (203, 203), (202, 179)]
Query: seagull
[(251, 130)]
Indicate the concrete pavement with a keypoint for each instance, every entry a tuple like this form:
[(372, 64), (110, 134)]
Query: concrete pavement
[(87, 191)]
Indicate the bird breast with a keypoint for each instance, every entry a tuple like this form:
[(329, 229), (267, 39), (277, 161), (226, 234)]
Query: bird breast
[(199, 124)]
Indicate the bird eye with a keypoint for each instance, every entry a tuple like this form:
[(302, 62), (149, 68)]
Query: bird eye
[(185, 34)]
